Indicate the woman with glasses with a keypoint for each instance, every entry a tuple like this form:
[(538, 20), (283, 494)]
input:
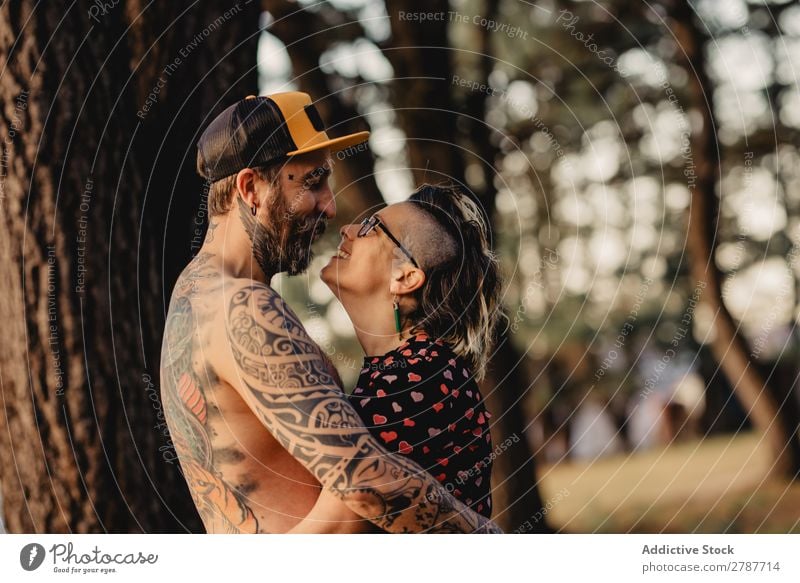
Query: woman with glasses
[(421, 286)]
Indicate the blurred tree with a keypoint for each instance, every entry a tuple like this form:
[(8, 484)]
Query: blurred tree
[(728, 346), (102, 106), (622, 136)]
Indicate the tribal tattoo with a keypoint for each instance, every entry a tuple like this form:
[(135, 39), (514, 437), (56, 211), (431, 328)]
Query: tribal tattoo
[(286, 382), (222, 508)]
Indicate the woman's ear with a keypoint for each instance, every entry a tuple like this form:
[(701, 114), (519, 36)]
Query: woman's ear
[(246, 187), (406, 279)]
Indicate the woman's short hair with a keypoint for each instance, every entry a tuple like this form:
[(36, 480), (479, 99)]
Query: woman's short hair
[(459, 302)]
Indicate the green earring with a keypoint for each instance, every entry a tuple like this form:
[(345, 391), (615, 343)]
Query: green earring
[(396, 315)]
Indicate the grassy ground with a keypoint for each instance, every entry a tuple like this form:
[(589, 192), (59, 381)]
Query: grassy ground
[(714, 485)]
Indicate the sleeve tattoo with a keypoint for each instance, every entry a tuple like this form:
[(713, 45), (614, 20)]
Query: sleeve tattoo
[(220, 506), (286, 382)]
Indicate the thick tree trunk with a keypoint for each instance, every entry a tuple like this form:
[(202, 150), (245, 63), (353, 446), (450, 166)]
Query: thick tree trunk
[(517, 502), (729, 348), (88, 104)]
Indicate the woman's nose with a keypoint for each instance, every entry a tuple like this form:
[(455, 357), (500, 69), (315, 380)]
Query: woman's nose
[(348, 231)]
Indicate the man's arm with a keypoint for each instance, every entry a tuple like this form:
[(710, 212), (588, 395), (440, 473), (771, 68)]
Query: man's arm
[(284, 379)]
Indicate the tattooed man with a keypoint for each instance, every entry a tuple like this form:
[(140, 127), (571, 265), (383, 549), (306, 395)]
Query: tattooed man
[(254, 407)]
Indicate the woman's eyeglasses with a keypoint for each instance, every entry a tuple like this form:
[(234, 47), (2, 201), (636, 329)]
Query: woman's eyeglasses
[(370, 223)]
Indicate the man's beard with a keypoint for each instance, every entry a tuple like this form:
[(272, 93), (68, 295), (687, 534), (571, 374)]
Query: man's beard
[(284, 244)]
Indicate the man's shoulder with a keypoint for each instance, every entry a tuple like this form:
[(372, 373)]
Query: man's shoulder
[(235, 284), (255, 310), (268, 341), (258, 299)]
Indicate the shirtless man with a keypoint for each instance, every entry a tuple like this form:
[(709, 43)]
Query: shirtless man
[(255, 409)]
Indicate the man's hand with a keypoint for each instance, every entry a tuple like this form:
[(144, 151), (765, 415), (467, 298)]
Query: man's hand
[(284, 379)]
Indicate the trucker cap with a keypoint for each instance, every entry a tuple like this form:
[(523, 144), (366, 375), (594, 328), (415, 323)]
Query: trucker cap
[(264, 130)]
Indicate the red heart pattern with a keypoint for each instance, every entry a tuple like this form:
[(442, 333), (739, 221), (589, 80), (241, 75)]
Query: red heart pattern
[(388, 436), (447, 435)]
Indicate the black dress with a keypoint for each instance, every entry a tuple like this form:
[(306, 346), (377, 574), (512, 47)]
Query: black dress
[(421, 400)]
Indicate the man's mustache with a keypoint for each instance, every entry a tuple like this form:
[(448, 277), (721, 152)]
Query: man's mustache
[(315, 226)]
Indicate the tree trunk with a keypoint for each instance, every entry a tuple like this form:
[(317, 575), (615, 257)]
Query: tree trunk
[(102, 139), (729, 348), (421, 91)]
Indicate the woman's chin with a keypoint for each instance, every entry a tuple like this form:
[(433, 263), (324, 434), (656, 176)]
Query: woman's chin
[(329, 277)]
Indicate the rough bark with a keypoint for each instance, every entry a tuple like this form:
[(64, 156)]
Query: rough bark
[(86, 184)]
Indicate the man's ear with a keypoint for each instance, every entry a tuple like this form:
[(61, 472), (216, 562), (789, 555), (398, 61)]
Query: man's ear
[(246, 187), (406, 279)]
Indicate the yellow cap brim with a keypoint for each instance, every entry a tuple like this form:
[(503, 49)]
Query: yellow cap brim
[(335, 144)]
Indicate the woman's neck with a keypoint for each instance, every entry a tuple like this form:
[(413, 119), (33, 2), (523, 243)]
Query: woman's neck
[(373, 320)]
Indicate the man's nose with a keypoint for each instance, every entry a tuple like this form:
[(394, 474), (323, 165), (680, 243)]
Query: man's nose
[(326, 203)]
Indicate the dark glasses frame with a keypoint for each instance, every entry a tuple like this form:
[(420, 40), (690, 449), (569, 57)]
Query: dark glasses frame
[(370, 223)]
